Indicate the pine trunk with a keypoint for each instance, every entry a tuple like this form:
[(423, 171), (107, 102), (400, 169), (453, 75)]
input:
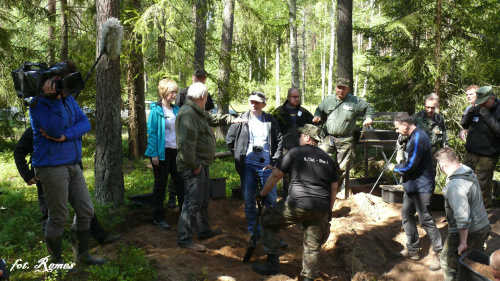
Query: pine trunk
[(64, 29), (278, 97), (225, 63), (437, 81), (51, 8), (200, 33), (109, 187), (344, 40), (332, 50), (304, 56), (294, 50)]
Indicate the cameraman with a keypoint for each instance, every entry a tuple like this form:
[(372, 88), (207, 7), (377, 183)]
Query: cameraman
[(256, 147), (58, 125)]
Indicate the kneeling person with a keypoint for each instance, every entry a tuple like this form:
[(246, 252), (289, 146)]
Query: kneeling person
[(312, 192)]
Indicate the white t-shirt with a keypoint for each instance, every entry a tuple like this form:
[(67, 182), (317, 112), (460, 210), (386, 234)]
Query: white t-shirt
[(169, 127)]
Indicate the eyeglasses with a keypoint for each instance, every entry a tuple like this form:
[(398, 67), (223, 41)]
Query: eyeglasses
[(259, 94)]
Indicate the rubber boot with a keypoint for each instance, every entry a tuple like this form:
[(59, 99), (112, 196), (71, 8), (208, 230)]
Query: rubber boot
[(80, 241), (55, 251), (271, 267)]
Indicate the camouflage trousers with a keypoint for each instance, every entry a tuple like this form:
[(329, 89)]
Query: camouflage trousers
[(483, 168), (449, 255), (316, 231), (341, 151)]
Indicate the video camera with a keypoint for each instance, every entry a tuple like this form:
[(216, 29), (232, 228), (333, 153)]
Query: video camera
[(30, 78)]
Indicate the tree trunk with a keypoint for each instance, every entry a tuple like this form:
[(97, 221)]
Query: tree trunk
[(200, 33), (161, 51), (365, 85), (437, 82), (225, 62), (64, 29), (323, 67), (278, 97), (294, 50), (304, 56), (51, 7), (344, 40), (109, 187), (137, 136), (332, 50)]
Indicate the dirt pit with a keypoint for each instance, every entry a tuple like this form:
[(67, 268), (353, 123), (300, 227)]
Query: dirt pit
[(361, 245)]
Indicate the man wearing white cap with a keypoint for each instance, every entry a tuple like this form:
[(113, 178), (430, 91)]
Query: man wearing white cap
[(483, 139), (256, 147)]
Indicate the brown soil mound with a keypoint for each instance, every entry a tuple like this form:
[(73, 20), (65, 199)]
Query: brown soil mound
[(360, 247)]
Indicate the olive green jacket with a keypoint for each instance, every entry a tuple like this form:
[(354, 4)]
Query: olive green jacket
[(195, 139), (340, 115), (435, 128)]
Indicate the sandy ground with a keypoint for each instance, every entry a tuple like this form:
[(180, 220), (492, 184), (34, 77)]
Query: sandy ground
[(359, 248)]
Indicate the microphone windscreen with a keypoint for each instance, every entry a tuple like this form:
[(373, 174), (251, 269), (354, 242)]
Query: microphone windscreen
[(111, 37)]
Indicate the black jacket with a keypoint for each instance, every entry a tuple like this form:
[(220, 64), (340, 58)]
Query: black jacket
[(23, 148), (237, 140), (288, 127), (483, 137), (181, 99)]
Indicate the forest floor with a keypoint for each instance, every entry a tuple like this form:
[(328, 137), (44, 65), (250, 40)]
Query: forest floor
[(356, 250)]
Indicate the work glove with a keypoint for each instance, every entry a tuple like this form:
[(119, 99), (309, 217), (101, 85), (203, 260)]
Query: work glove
[(260, 198), (401, 143), (389, 166), (400, 156), (484, 111)]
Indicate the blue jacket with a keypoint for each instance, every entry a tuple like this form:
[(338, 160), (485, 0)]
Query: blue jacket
[(58, 117), (417, 171), (156, 131)]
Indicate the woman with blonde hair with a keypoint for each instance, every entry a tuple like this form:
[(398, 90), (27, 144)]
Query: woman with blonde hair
[(162, 149)]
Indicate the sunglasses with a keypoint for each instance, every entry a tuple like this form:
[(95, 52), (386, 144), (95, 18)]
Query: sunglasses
[(259, 94)]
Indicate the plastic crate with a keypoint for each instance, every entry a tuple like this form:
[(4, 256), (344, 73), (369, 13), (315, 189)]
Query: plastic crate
[(392, 194), (467, 273), (218, 188)]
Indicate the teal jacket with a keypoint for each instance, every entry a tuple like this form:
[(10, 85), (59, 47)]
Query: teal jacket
[(156, 131)]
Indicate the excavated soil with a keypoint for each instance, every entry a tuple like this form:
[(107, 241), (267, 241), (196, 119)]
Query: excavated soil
[(360, 247)]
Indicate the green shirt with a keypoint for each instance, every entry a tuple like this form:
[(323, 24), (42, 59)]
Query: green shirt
[(434, 127), (195, 139), (340, 115)]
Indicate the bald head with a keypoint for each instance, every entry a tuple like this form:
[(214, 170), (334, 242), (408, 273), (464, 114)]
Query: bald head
[(495, 260)]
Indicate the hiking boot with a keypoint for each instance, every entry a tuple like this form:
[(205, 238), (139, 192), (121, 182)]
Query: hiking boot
[(195, 247), (171, 200), (435, 263), (413, 255), (162, 224), (308, 279), (271, 267), (112, 238), (80, 243), (213, 233), (283, 244)]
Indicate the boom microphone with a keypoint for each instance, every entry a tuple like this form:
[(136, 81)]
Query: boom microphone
[(111, 41)]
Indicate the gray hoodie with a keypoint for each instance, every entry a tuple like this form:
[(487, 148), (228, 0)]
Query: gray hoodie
[(464, 201)]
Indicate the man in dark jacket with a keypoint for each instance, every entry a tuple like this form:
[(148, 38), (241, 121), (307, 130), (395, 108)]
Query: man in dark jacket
[(256, 147), (23, 148), (483, 139), (291, 116), (418, 184)]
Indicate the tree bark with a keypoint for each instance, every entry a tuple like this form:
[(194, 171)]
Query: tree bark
[(437, 81), (365, 85), (161, 51), (323, 67), (200, 33), (51, 7), (344, 40), (294, 51), (332, 50), (225, 62), (109, 187), (64, 29), (137, 135), (278, 97), (304, 56)]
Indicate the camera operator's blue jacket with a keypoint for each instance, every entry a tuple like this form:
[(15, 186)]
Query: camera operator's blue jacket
[(58, 117), (417, 171), (156, 131)]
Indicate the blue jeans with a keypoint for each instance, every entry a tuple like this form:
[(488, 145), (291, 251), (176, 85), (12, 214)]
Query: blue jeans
[(418, 203), (253, 173), (194, 211)]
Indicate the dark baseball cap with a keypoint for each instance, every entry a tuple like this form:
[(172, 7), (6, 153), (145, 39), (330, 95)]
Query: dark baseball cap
[(310, 130), (344, 82), (200, 72), (483, 93)]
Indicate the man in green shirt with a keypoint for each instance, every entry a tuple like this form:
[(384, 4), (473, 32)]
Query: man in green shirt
[(432, 123), (338, 113)]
